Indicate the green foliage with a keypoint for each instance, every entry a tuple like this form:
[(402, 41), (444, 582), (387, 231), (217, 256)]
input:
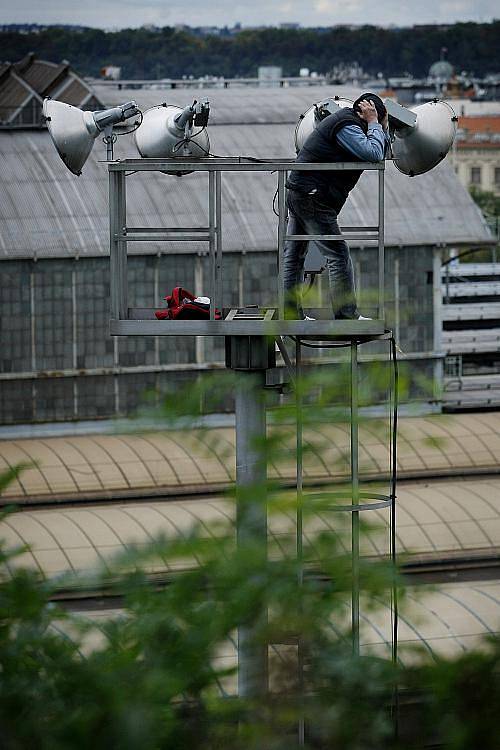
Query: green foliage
[(144, 53), (463, 697), (153, 680), (8, 476), (488, 202)]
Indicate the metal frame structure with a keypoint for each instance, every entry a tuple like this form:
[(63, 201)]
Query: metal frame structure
[(129, 321), (250, 336)]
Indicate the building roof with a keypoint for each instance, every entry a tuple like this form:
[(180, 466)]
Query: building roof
[(25, 84), (479, 131), (436, 520), (169, 463), (469, 108), (41, 75), (244, 105), (445, 623), (47, 212)]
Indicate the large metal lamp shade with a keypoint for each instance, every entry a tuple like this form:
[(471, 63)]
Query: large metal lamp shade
[(72, 131), (308, 121), (419, 148), (167, 132)]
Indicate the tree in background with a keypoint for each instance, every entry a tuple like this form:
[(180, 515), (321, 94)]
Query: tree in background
[(168, 52)]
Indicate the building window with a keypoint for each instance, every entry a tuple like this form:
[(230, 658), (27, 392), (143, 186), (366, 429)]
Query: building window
[(475, 175), (497, 177)]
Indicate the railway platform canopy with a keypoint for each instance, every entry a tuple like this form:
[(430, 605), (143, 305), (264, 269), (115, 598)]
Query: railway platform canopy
[(169, 464), (444, 526)]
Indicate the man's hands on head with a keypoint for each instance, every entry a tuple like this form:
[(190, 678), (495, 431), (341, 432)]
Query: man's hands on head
[(367, 111)]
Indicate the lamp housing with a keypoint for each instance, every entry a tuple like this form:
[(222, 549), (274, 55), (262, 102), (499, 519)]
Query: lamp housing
[(169, 132), (73, 131)]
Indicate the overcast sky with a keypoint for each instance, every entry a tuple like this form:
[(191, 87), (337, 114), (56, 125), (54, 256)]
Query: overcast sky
[(113, 14)]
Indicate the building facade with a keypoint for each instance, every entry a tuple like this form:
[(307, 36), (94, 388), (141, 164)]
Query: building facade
[(476, 154)]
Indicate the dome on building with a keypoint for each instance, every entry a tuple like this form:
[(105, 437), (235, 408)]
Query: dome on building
[(441, 69)]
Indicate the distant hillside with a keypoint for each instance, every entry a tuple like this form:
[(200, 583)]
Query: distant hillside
[(144, 53)]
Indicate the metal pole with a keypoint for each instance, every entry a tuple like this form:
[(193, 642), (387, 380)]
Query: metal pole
[(212, 242), (117, 248), (381, 244), (109, 140), (118, 266), (114, 245), (298, 402), (251, 514), (74, 336), (33, 343), (122, 246), (281, 241), (396, 298), (355, 497), (218, 230), (299, 531)]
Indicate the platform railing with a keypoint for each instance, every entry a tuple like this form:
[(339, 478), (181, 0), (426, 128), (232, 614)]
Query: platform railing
[(126, 320)]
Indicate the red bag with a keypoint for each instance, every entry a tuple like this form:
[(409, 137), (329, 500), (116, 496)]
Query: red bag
[(182, 305)]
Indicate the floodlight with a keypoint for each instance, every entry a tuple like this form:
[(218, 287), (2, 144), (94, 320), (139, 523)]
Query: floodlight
[(308, 121), (169, 132), (421, 136), (74, 131)]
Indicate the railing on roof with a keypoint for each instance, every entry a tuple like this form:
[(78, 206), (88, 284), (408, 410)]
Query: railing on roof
[(201, 83), (129, 321)]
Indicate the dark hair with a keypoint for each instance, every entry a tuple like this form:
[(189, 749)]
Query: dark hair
[(377, 101)]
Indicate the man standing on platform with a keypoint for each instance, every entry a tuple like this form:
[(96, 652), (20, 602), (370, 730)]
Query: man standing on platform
[(314, 199)]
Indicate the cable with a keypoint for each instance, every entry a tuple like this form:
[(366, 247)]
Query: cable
[(394, 481), (295, 133), (137, 125), (319, 346), (275, 212), (186, 140)]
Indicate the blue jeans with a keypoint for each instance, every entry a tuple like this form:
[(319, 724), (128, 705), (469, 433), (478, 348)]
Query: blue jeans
[(307, 215)]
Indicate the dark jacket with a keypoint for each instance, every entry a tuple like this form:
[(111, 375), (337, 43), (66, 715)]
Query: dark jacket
[(332, 187)]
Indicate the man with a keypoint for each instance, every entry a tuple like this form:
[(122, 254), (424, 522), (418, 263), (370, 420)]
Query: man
[(314, 199)]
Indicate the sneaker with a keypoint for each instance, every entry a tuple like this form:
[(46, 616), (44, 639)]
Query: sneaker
[(291, 314), (358, 317)]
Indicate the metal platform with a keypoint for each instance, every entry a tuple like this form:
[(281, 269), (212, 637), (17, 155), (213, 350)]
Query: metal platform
[(147, 325)]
